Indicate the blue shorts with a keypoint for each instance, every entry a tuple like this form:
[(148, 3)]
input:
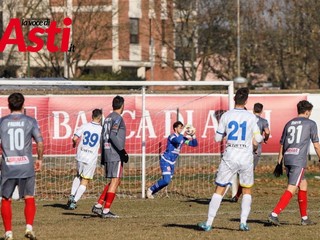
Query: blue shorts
[(166, 168)]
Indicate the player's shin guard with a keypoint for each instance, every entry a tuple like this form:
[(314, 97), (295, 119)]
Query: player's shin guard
[(245, 208), (303, 202), (283, 202), (30, 210), (103, 196), (109, 200), (6, 213), (213, 208)]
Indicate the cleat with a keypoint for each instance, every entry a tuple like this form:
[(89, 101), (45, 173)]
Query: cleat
[(204, 226), (273, 220), (244, 227), (234, 199), (109, 215), (72, 206), (307, 222), (70, 200), (96, 210), (8, 236), (30, 235), (149, 194)]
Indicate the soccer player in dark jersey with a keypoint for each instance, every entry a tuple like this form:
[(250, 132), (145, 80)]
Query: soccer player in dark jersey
[(168, 159), (18, 166), (113, 151), (294, 147)]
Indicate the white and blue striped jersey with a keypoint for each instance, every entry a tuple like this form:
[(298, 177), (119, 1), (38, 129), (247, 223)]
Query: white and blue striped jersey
[(88, 148), (239, 127)]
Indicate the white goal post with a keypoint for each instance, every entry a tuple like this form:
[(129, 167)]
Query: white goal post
[(140, 101)]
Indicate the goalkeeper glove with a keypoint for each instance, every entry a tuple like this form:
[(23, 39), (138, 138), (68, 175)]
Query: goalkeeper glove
[(124, 157), (278, 170)]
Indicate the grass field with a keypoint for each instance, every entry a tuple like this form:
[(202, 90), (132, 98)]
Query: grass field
[(175, 218)]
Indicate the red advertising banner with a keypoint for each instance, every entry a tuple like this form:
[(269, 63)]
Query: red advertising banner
[(60, 115)]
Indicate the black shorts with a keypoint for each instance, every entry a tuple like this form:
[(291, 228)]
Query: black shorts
[(26, 186)]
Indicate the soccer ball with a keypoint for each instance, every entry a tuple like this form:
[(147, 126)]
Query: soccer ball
[(190, 130)]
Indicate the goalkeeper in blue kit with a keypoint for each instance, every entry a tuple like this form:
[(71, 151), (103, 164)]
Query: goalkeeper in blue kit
[(181, 136)]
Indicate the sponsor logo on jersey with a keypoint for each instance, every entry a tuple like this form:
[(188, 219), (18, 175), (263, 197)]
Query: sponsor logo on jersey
[(292, 151)]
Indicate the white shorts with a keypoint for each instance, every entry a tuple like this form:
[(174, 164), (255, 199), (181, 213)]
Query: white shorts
[(86, 170), (227, 169)]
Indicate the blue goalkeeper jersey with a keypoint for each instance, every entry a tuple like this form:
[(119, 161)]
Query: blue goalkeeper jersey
[(174, 145)]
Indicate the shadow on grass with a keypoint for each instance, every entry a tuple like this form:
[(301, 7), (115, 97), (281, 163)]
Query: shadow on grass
[(56, 205), (204, 201), (194, 227), (265, 223)]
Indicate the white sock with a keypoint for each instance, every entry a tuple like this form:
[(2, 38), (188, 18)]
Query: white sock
[(213, 208), (106, 210), (29, 227), (245, 207), (75, 185), (80, 191), (98, 205)]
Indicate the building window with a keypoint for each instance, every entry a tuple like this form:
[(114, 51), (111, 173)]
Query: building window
[(134, 30), (163, 32)]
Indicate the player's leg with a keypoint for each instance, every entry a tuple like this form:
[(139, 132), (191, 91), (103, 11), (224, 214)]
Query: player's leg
[(115, 172), (246, 180), (7, 188), (86, 175), (295, 174), (167, 170), (75, 184), (303, 203), (224, 177), (26, 191)]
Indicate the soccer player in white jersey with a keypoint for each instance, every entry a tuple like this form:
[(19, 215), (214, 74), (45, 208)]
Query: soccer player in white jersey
[(18, 166), (87, 155), (239, 127), (294, 147)]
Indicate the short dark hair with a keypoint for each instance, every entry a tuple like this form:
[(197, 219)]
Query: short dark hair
[(304, 106), (241, 96), (257, 107), (177, 124), (96, 113), (16, 101), (117, 102)]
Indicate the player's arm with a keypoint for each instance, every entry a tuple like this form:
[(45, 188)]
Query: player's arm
[(266, 133), (193, 142), (280, 155), (74, 141), (316, 146)]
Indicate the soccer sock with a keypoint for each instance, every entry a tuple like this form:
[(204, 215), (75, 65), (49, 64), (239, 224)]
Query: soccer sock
[(213, 208), (75, 185), (109, 200), (303, 202), (103, 195), (245, 207), (29, 210), (283, 202), (6, 213), (81, 190)]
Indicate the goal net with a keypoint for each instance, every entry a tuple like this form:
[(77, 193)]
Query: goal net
[(149, 115)]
